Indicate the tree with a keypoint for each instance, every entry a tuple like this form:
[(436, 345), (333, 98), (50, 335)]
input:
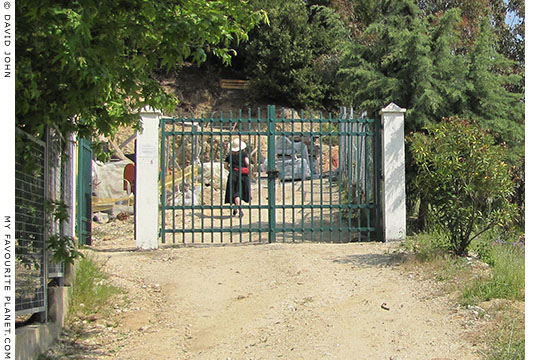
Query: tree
[(423, 63), (465, 178), (294, 59), (391, 62), (507, 16), (87, 66), (488, 98)]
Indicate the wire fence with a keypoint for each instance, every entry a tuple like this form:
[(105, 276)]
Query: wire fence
[(42, 175)]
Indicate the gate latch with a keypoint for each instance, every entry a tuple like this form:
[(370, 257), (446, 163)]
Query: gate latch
[(273, 173)]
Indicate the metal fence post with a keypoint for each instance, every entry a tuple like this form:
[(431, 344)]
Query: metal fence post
[(393, 169), (271, 175), (146, 180)]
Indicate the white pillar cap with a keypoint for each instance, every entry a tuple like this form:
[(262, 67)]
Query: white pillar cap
[(150, 110), (392, 108)]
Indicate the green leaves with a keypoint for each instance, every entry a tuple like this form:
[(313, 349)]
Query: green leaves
[(77, 61), (64, 248), (294, 59)]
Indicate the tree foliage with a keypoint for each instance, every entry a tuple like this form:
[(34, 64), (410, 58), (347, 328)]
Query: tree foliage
[(294, 59), (420, 64), (465, 178), (87, 66), (423, 61)]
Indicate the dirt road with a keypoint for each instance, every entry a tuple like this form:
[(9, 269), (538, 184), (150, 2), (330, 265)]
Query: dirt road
[(271, 301)]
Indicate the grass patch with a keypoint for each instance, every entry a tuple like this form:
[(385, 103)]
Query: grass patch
[(92, 300), (506, 280), (92, 293), (427, 247), (507, 336)]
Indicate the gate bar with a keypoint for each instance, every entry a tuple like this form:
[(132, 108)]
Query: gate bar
[(271, 179)]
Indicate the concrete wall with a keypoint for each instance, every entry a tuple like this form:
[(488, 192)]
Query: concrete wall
[(33, 340)]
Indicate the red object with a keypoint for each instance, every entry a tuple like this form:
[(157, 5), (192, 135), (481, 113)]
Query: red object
[(243, 170), (129, 177)]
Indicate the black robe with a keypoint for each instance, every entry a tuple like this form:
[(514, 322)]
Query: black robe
[(237, 182)]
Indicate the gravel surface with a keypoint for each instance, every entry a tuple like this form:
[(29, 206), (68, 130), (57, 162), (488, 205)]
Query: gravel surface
[(269, 301)]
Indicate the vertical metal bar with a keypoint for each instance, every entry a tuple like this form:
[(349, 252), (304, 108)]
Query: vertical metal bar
[(302, 144), (271, 180), (350, 187), (163, 179), (358, 181), (293, 180), (192, 183), (320, 174), (201, 184), (370, 176), (340, 170), (259, 152), (367, 175), (283, 184), (321, 182), (230, 188), (221, 188), (330, 184), (250, 174), (173, 187), (211, 181), (240, 176), (184, 184)]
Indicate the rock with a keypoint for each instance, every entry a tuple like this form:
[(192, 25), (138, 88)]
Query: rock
[(100, 218), (214, 174), (122, 209)]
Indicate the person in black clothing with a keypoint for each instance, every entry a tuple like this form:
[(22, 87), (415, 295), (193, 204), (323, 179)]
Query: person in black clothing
[(237, 162)]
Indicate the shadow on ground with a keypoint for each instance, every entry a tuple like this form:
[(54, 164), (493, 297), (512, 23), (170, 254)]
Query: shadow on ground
[(371, 260)]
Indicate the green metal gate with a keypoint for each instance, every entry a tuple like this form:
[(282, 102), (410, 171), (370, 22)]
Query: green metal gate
[(84, 193), (311, 178)]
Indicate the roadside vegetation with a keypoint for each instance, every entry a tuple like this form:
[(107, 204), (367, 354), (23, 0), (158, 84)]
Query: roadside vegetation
[(473, 241), (94, 299), (490, 281), (93, 293)]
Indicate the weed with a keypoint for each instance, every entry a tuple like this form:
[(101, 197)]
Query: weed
[(427, 247), (506, 281), (507, 341), (92, 292)]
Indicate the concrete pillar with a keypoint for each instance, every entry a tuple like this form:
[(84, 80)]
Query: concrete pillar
[(146, 180), (393, 170)]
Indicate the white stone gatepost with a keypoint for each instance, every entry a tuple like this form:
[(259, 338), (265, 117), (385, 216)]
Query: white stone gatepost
[(393, 173), (146, 180)]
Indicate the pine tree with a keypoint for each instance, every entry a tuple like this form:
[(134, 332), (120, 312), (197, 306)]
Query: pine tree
[(488, 99), (425, 64)]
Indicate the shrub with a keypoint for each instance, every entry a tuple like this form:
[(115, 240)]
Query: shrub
[(466, 181)]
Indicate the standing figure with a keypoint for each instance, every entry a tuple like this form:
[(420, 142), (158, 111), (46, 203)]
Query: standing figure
[(238, 182)]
